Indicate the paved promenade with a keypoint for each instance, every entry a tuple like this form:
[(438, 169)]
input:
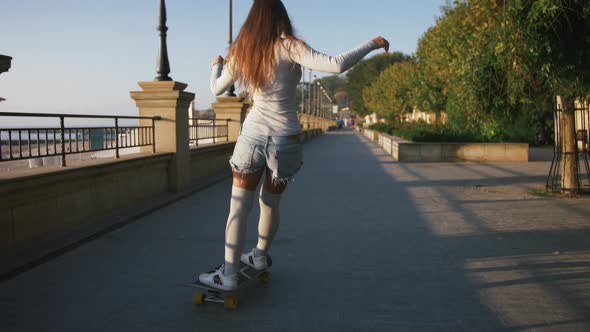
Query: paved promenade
[(366, 244)]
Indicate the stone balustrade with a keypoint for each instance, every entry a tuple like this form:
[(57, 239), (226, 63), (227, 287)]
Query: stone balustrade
[(37, 204)]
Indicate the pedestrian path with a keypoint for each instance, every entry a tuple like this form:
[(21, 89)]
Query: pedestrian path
[(365, 244)]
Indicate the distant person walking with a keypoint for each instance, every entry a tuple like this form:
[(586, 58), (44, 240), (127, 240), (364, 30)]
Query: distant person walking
[(266, 58)]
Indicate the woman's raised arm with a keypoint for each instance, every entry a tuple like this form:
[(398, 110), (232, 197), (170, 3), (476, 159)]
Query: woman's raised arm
[(310, 58), (221, 79)]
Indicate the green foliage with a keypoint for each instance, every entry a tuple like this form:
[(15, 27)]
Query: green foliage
[(333, 84), (364, 73), (501, 130), (423, 132), (561, 29), (493, 67), (392, 94)]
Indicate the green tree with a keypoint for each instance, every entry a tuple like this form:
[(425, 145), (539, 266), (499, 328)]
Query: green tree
[(457, 69), (393, 94), (480, 64), (561, 29), (333, 84), (364, 74)]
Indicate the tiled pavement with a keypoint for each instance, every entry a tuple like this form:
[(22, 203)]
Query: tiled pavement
[(365, 244)]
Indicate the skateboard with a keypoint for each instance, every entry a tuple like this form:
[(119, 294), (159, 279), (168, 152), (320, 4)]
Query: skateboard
[(229, 298)]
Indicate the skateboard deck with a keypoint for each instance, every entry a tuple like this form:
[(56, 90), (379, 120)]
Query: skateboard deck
[(229, 298)]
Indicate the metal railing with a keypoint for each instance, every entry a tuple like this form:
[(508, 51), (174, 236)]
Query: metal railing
[(28, 143), (207, 129)]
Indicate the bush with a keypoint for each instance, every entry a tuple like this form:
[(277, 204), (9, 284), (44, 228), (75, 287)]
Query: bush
[(423, 132)]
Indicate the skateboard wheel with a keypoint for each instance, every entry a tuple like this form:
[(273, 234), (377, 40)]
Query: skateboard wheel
[(265, 277), (199, 299), (230, 303)]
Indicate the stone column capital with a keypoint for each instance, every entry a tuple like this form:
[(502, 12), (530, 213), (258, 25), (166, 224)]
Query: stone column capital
[(162, 94)]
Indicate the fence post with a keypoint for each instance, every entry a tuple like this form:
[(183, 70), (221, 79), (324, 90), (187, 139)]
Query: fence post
[(63, 141), (153, 135), (117, 137)]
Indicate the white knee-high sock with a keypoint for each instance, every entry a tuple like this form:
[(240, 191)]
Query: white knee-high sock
[(241, 204), (269, 221)]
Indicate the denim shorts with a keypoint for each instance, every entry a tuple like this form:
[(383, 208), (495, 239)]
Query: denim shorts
[(283, 155)]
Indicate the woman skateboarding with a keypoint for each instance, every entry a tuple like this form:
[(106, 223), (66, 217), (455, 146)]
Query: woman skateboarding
[(266, 59)]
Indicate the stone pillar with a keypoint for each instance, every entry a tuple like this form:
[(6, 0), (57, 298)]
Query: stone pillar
[(315, 123), (168, 100), (304, 120), (331, 123), (309, 121), (235, 109), (299, 118)]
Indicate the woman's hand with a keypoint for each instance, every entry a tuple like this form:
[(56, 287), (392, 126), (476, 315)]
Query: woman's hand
[(382, 43), (218, 59)]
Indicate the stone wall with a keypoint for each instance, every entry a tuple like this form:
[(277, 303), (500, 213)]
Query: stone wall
[(50, 200), (40, 203), (210, 162)]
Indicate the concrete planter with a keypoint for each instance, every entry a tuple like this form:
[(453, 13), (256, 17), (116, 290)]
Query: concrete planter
[(405, 151)]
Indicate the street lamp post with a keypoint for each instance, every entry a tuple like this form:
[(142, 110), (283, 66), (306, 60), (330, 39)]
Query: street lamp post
[(5, 63), (163, 66), (325, 103), (316, 87), (232, 90), (322, 97), (319, 101), (309, 86), (303, 92)]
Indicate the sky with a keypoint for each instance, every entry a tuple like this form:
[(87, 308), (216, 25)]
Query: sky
[(85, 56)]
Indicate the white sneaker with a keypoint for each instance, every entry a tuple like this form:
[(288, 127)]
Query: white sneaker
[(216, 279), (259, 263)]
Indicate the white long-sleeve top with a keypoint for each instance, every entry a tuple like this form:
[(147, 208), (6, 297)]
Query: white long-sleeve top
[(274, 112)]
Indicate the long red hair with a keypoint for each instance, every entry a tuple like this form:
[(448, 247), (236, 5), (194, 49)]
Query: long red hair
[(252, 55)]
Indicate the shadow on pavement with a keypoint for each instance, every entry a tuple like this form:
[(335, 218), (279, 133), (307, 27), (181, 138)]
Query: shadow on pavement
[(364, 244)]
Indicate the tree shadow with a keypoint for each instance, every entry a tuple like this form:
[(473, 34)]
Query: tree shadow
[(495, 260)]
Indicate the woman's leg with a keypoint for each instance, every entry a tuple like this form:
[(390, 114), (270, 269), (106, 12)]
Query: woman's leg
[(270, 198), (242, 200)]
